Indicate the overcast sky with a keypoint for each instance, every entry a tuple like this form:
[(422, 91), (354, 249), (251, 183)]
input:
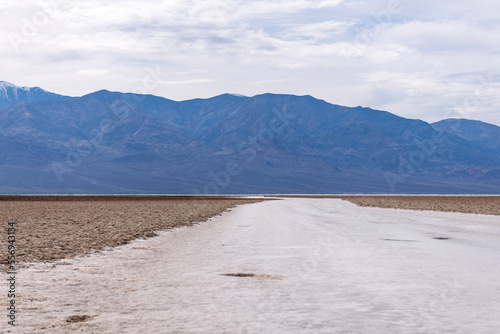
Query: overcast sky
[(418, 59)]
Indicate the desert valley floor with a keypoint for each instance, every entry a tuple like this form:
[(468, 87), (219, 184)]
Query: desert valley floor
[(294, 265)]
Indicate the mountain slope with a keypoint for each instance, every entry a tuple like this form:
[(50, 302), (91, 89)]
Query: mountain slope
[(111, 142), (11, 94), (483, 134)]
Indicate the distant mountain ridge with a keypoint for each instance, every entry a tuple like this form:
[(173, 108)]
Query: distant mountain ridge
[(111, 142), (11, 94), (484, 134)]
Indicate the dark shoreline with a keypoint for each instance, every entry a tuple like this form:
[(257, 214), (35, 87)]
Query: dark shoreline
[(117, 197), (120, 197)]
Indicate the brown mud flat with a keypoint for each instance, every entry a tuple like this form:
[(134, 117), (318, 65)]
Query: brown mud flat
[(51, 228), (486, 205)]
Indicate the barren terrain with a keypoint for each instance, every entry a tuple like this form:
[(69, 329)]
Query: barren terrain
[(305, 266), (53, 228), (486, 205)]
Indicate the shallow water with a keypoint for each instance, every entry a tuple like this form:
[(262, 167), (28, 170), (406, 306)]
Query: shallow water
[(295, 266)]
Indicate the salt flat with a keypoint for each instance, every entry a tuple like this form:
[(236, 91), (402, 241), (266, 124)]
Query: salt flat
[(318, 265)]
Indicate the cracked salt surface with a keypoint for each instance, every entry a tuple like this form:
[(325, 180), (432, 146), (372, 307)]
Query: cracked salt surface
[(290, 266)]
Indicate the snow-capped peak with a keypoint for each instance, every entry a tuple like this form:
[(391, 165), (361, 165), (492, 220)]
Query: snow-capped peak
[(11, 94), (4, 85)]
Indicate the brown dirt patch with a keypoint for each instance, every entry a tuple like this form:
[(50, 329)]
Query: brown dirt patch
[(486, 205), (54, 228), (260, 277), (240, 275), (79, 318)]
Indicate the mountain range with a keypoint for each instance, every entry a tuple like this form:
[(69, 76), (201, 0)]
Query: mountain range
[(112, 142)]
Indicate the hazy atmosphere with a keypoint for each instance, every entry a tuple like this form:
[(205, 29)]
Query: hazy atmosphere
[(418, 59)]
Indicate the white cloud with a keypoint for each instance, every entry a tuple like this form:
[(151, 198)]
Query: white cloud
[(286, 6), (320, 30), (445, 36), (93, 72), (186, 82)]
